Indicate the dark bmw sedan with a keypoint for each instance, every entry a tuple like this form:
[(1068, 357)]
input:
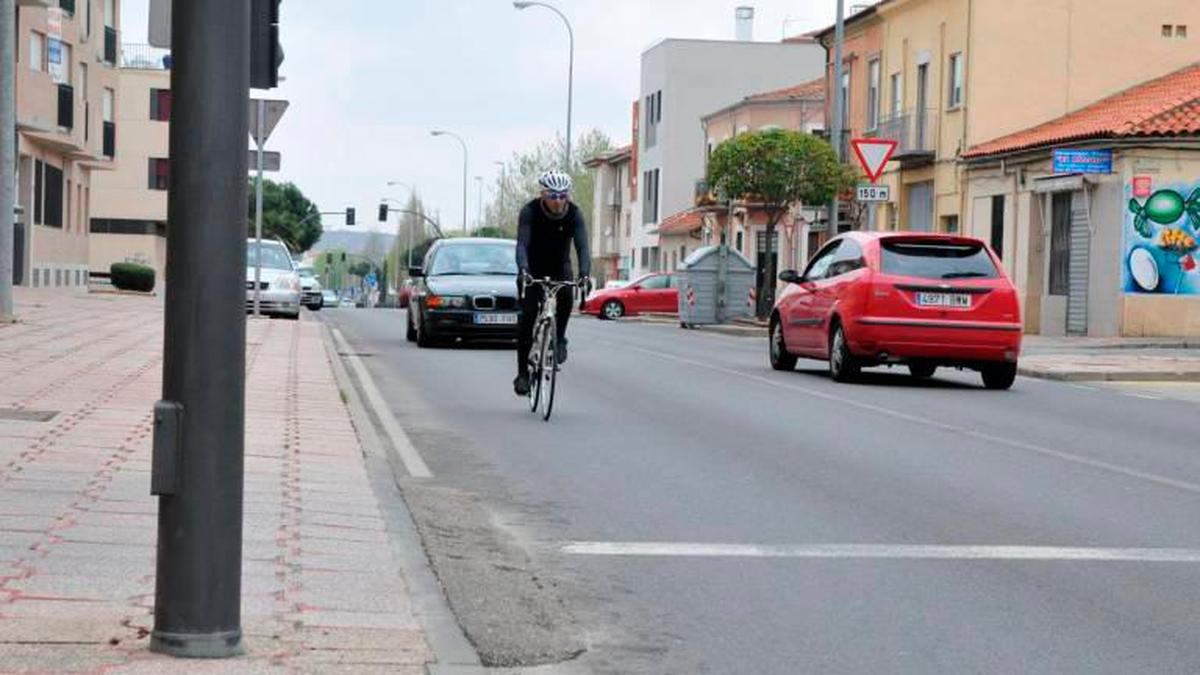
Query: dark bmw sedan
[(466, 289)]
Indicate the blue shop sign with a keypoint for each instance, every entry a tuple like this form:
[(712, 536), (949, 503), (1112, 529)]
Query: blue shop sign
[(1083, 161)]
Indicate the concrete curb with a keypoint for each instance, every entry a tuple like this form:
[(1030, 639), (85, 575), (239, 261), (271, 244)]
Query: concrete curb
[(445, 636), (1112, 376)]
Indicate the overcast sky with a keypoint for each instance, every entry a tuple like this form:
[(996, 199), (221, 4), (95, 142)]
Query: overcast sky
[(367, 82)]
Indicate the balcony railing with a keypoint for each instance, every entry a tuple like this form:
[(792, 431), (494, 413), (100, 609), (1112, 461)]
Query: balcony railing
[(915, 133), (110, 45), (110, 140), (66, 106), (145, 57)]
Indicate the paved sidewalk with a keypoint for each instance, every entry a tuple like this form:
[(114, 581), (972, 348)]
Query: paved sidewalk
[(323, 590), (1067, 359)]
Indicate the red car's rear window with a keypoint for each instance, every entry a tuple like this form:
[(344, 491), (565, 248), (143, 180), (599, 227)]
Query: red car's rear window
[(937, 260)]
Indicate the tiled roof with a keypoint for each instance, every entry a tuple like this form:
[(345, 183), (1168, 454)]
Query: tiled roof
[(681, 223), (609, 157), (1167, 106), (808, 90)]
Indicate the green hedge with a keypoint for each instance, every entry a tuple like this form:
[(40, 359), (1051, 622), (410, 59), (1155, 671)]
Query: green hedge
[(132, 277)]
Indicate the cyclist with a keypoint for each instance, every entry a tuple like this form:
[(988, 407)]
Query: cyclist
[(546, 228)]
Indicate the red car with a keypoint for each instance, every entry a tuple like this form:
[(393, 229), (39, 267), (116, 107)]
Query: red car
[(657, 293), (922, 300)]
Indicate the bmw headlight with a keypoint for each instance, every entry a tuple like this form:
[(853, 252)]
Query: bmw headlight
[(445, 301)]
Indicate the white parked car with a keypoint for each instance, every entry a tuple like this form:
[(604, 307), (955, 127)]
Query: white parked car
[(310, 289), (279, 282)]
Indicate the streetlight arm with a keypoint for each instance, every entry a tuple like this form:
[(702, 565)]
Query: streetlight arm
[(570, 67)]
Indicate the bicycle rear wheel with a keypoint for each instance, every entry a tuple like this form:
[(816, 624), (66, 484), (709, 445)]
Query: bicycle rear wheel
[(549, 370)]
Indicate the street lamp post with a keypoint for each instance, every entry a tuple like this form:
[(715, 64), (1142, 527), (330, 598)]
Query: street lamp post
[(411, 193), (440, 132), (502, 197), (522, 4), (479, 205)]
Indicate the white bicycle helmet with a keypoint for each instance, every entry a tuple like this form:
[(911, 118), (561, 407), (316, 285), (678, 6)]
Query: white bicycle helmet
[(555, 180)]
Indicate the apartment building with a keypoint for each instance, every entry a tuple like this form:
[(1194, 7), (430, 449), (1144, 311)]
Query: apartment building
[(66, 104), (681, 82), (941, 76), (128, 217), (611, 220)]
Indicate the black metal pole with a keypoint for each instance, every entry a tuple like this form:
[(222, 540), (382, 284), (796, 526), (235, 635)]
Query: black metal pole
[(198, 471)]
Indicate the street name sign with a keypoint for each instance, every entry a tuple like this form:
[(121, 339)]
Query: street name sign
[(873, 154)]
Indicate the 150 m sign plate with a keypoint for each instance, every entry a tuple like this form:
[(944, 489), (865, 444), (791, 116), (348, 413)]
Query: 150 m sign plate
[(873, 193)]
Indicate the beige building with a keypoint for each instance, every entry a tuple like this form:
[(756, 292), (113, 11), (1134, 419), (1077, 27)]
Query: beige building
[(66, 100), (952, 74), (129, 204), (611, 220), (1104, 241)]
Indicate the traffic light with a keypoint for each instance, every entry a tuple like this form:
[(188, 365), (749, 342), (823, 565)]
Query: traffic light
[(383, 210), (343, 256), (349, 215), (266, 54)]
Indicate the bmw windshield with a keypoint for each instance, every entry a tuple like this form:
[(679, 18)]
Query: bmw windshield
[(474, 260)]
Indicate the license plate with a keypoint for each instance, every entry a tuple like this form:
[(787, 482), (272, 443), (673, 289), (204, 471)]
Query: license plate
[(961, 300), (493, 319)]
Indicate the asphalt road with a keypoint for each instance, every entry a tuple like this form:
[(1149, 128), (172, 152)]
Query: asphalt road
[(689, 510)]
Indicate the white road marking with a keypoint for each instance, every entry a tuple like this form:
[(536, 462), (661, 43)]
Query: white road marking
[(884, 551), (413, 464), (923, 421)]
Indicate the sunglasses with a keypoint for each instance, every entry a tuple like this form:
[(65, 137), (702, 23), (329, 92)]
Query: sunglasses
[(555, 196)]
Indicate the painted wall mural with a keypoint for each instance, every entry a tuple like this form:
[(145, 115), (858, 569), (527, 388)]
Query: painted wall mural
[(1162, 235)]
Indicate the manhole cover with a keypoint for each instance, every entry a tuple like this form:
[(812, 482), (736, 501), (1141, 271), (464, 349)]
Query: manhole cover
[(27, 415)]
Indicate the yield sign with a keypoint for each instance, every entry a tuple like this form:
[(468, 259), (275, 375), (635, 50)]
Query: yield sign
[(271, 112), (873, 154)]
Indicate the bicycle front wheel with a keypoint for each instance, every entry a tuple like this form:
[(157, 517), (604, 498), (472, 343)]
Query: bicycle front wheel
[(549, 371), (536, 359)]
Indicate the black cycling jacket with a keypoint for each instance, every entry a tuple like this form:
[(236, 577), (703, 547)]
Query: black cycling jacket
[(544, 242)]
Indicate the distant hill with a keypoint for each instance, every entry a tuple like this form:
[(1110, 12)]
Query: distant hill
[(353, 242)]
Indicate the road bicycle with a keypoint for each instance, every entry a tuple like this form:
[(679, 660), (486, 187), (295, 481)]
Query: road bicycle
[(543, 356)]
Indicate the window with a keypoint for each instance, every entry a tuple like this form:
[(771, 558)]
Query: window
[(998, 225), (656, 283), (160, 105), (847, 258), (950, 224), (109, 13), (53, 193), (37, 191), (1166, 30), (109, 102), (1060, 242), (1181, 32), (37, 51), (160, 174), (653, 104), (65, 68), (820, 263), (846, 99), (956, 80), (873, 94), (936, 260), (897, 94)]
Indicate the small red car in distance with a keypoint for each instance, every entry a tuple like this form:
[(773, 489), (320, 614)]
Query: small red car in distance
[(882, 298), (657, 293)]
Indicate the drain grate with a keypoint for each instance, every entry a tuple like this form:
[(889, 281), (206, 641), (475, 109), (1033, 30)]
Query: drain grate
[(27, 415)]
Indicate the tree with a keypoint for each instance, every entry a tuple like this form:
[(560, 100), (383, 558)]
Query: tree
[(518, 182), (287, 215), (777, 170)]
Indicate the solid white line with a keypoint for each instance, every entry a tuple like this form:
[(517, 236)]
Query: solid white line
[(884, 551), (413, 464), (923, 421)]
